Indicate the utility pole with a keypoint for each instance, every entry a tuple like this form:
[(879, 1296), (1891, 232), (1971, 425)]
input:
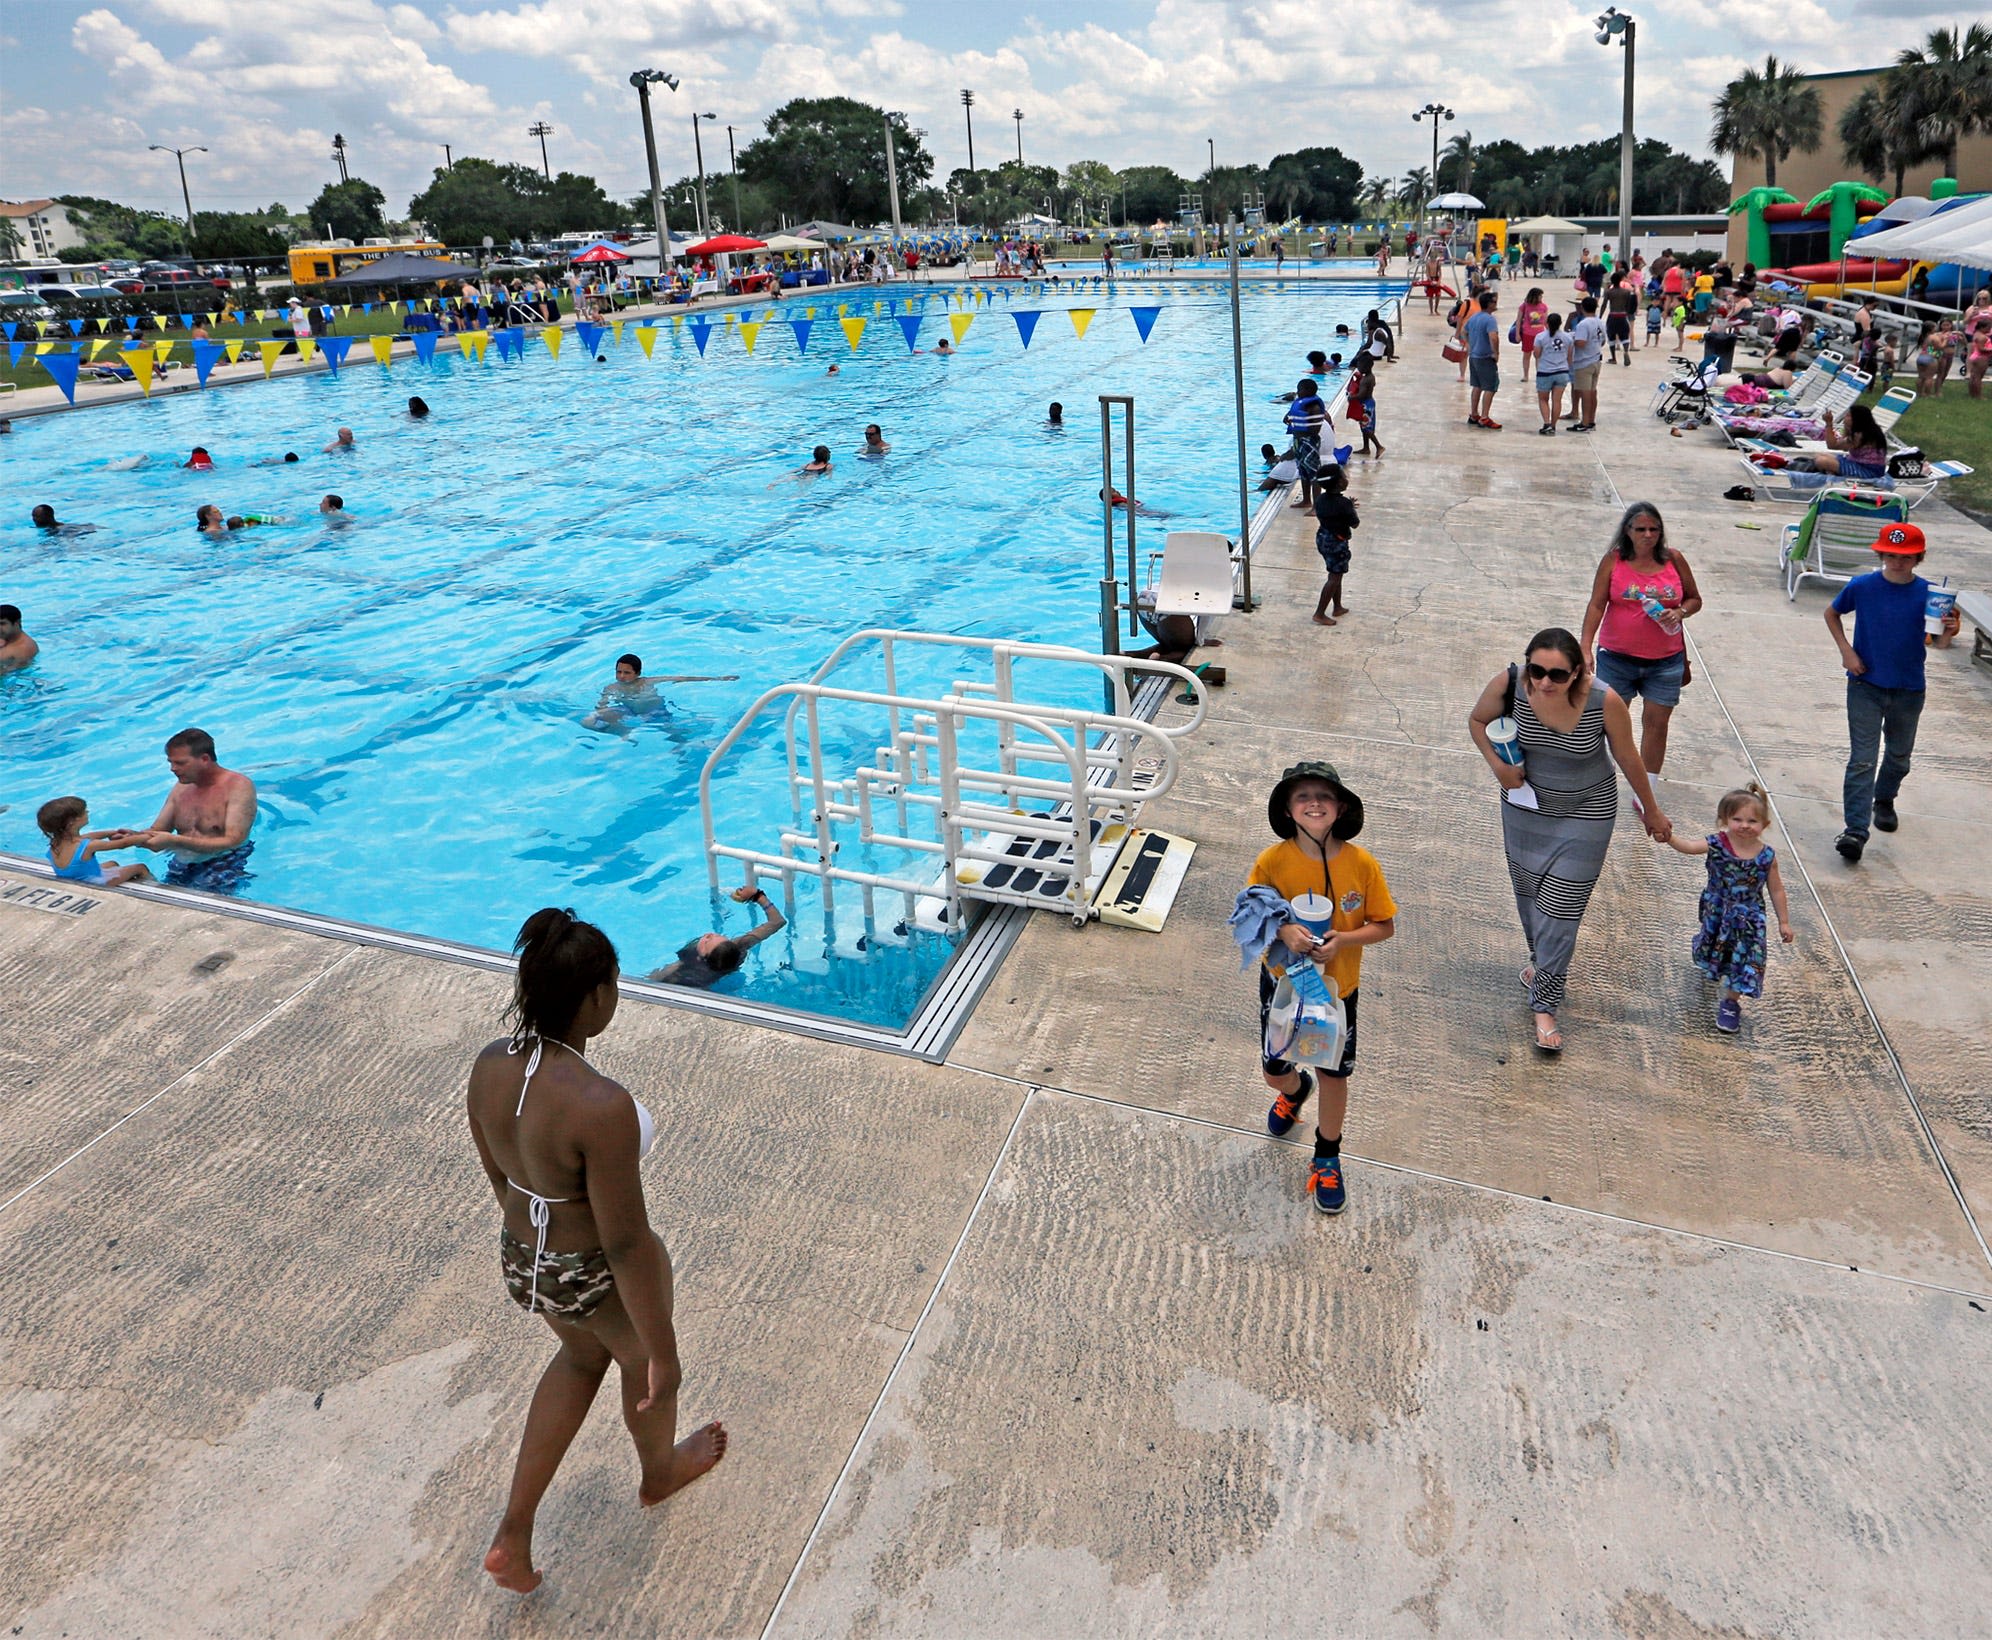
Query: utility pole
[(892, 175), (339, 153), (1018, 116), (642, 79), (968, 114), (733, 165), (698, 154), (449, 164), (540, 129), (180, 154)]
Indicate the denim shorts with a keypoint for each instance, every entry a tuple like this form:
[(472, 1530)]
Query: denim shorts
[(1658, 680), (1549, 380)]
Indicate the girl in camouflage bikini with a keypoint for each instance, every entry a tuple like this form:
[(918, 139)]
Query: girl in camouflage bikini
[(560, 1143)]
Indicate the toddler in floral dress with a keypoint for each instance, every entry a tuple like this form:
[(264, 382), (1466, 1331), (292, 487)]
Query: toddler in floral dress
[(1732, 944)]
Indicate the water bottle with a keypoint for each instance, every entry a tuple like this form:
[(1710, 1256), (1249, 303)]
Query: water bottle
[(1653, 607)]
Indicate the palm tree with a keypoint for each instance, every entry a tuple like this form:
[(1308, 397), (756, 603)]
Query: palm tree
[(1949, 88), (1768, 114), (1878, 133), (1459, 154), (1416, 187)]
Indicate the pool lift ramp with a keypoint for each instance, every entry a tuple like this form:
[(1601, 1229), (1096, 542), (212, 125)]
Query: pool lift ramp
[(977, 793)]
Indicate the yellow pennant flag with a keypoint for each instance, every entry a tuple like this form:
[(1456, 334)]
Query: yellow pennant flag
[(383, 348), (234, 351), (1081, 318), (677, 321), (732, 318), (551, 336), (164, 350), (345, 309), (162, 320), (750, 333), (959, 323), (843, 308), (269, 350), (305, 348), (103, 324), (43, 347), (854, 330), (646, 338), (214, 318), (140, 360), (616, 325), (809, 312), (474, 342), (97, 347)]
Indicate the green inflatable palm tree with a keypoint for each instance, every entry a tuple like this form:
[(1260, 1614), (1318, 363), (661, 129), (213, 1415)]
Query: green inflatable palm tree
[(1757, 245), (1845, 198)]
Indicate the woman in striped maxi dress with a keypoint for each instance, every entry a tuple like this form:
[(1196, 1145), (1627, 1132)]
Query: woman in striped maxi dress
[(1571, 728)]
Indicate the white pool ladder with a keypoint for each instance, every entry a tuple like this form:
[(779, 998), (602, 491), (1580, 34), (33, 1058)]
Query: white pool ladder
[(974, 794)]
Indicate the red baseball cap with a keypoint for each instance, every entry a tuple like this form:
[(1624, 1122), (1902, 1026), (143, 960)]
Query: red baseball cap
[(1903, 540)]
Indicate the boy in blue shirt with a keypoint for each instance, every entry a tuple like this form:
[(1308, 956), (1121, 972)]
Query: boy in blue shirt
[(1884, 663)]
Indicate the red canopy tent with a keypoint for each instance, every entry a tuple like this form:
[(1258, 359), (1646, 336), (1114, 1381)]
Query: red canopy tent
[(722, 244), (595, 255)]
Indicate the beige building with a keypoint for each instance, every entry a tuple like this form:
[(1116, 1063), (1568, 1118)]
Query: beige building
[(1805, 173), (41, 229)]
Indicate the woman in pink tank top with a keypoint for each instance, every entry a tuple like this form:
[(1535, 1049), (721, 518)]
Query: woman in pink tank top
[(1633, 636)]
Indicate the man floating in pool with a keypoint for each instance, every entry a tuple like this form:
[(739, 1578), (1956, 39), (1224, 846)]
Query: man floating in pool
[(342, 440), (17, 649), (702, 963), (633, 697), (206, 820), (44, 519), (875, 444)]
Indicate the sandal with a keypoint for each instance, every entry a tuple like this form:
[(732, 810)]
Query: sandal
[(1548, 1040), (1529, 978)]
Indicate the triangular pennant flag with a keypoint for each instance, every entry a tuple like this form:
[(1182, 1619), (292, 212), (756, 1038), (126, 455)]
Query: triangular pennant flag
[(808, 313), (1144, 319), (206, 356), (97, 347), (701, 330), (646, 338), (383, 348), (854, 331), (1026, 323), (909, 325), (677, 321), (162, 351), (345, 308), (140, 360), (335, 349), (103, 325), (63, 366), (14, 352), (234, 350), (511, 344), (131, 323), (366, 307), (616, 326), (745, 315), (1081, 318), (214, 318), (187, 319), (591, 337), (306, 347), (425, 345), (551, 336), (162, 320), (49, 347), (474, 342), (12, 329), (269, 350), (76, 327), (750, 333), (802, 328), (959, 323)]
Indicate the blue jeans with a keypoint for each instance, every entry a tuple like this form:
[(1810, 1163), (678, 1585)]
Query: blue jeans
[(1877, 717)]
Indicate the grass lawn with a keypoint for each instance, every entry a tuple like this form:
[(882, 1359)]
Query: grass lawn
[(1954, 428)]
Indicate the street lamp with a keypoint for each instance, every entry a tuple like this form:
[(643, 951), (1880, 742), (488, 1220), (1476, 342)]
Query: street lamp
[(968, 114), (540, 129), (1017, 114), (733, 165), (339, 154), (181, 154), (1435, 112), (698, 154), (643, 79), (1616, 22)]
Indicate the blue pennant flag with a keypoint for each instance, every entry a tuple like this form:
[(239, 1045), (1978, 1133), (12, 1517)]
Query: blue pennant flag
[(1144, 319), (744, 315), (591, 337), (511, 343), (334, 348), (425, 345), (207, 355), (801, 328), (326, 310), (62, 366), (76, 327), (131, 323), (15, 350), (366, 307), (910, 325), (701, 333), (11, 328), (1026, 323)]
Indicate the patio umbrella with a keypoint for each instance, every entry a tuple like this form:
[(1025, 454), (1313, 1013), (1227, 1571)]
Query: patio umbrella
[(595, 255), (398, 268), (1456, 202), (721, 244), (1545, 224), (794, 242)]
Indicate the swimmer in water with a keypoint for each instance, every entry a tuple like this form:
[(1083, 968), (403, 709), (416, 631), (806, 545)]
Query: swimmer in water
[(283, 460), (344, 441), (332, 511), (1055, 416), (418, 407), (831, 371), (210, 521), (633, 696), (818, 462), (200, 460), (944, 347), (1140, 511), (44, 519), (874, 445)]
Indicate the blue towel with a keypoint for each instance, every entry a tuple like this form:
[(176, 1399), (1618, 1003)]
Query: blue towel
[(1256, 919)]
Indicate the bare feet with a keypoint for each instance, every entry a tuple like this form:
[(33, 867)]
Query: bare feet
[(1324, 620), (1300, 506), (510, 1564), (690, 1459), (1338, 609)]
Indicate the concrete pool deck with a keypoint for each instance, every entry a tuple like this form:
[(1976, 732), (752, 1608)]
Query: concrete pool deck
[(1678, 1335)]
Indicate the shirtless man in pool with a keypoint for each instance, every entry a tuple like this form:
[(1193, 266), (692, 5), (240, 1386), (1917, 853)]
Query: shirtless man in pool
[(206, 819)]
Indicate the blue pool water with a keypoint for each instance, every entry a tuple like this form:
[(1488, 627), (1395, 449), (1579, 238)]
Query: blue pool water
[(406, 691)]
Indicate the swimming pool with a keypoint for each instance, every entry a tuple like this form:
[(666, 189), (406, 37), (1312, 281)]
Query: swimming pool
[(407, 691)]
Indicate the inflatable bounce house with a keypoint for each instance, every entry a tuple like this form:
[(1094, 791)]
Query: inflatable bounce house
[(1816, 244)]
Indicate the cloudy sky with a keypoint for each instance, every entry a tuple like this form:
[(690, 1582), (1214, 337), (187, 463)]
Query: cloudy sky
[(263, 84)]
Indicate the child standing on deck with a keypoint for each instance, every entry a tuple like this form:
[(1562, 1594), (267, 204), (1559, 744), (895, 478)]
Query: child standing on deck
[(1731, 945), (1335, 521), (1315, 817), (1653, 319), (1679, 319)]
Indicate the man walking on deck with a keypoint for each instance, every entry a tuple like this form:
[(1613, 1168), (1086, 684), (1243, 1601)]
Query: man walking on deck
[(1483, 362)]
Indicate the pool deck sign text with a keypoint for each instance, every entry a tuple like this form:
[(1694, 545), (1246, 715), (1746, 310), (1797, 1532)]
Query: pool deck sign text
[(46, 897)]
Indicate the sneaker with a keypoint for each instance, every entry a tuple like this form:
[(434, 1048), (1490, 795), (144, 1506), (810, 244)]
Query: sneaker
[(1491, 425), (1729, 1015), (1473, 421), (1580, 427), (1285, 1111), (1884, 815), (1324, 1179), (1549, 429), (1850, 847)]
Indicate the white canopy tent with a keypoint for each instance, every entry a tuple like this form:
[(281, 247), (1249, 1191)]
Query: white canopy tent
[(1961, 234), (1555, 236)]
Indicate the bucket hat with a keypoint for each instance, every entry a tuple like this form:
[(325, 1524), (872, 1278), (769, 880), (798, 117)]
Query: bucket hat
[(1347, 824)]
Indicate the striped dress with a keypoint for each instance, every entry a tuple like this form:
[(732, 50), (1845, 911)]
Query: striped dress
[(1557, 852)]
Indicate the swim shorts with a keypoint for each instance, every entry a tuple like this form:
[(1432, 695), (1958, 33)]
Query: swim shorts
[(1334, 550), (213, 873)]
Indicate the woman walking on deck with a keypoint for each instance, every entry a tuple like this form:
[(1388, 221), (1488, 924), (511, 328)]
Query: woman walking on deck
[(1560, 730)]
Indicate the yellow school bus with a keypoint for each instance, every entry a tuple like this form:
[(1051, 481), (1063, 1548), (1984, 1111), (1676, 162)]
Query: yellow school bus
[(311, 263)]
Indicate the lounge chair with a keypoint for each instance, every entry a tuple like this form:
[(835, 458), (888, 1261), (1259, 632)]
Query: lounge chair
[(1800, 488), (1834, 541), (1888, 410)]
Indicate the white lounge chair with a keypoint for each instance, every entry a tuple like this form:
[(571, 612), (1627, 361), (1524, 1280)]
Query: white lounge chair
[(1834, 541), (1888, 410)]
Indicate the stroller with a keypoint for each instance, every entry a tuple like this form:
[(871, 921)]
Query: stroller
[(1688, 398)]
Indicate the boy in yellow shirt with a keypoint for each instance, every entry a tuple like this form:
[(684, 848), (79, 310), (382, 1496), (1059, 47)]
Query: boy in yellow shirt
[(1315, 816)]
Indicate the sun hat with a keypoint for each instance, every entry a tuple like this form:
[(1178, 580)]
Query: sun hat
[(1347, 824), (1900, 540)]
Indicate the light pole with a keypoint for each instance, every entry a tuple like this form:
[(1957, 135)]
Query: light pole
[(892, 172), (698, 154), (1017, 114), (339, 154), (449, 164), (540, 129), (733, 166), (968, 114), (1435, 112), (1616, 22), (180, 154), (642, 79)]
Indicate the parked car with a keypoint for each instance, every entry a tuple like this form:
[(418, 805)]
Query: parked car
[(180, 279), (131, 286), (58, 295)]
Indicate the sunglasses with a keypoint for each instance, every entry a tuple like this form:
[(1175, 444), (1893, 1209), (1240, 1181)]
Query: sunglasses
[(1549, 674)]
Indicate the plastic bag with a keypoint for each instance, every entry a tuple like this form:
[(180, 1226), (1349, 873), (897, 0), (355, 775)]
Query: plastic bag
[(1305, 1022)]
